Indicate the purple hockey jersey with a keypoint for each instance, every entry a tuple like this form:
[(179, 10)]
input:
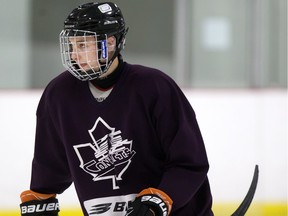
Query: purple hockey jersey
[(145, 134)]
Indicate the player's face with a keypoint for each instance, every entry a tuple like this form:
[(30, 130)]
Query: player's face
[(84, 51)]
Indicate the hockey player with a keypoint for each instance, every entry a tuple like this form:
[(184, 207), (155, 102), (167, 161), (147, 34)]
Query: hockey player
[(124, 134)]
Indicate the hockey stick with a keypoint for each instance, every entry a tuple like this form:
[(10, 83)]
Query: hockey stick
[(241, 210)]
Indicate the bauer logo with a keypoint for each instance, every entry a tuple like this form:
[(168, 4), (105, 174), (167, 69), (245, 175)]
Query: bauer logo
[(104, 53), (109, 206), (157, 201), (108, 156), (105, 8), (40, 208)]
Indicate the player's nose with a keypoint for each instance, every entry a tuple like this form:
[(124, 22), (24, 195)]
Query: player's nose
[(74, 55)]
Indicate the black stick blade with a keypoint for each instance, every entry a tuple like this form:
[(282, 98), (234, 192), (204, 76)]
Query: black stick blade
[(241, 210)]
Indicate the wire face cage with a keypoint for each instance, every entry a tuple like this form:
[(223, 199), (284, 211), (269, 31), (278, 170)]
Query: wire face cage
[(84, 54)]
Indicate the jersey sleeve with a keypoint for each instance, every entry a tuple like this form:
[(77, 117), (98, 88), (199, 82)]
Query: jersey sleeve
[(185, 177), (50, 171)]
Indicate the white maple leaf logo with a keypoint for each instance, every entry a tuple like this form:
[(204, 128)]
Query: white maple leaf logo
[(104, 154)]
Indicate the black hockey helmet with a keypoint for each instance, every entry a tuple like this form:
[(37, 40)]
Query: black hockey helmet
[(101, 20)]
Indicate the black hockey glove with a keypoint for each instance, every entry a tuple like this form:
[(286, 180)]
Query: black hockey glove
[(150, 202), (37, 204)]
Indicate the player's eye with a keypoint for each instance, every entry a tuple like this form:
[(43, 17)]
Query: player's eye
[(82, 45)]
